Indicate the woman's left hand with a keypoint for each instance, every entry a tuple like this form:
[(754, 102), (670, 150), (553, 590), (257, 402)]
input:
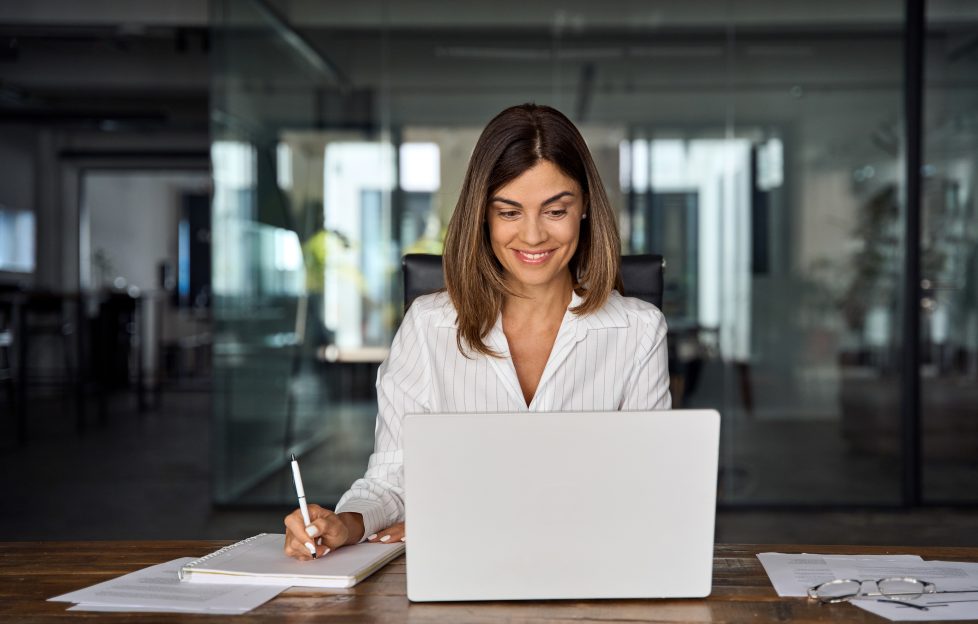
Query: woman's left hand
[(391, 535)]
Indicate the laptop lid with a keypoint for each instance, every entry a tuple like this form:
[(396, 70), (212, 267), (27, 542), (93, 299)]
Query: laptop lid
[(545, 505)]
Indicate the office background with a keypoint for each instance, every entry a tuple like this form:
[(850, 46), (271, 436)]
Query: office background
[(203, 207)]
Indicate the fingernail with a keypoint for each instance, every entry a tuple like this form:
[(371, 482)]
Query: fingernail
[(312, 531), (386, 538), (311, 549), (404, 539), (325, 551), (372, 537), (319, 541)]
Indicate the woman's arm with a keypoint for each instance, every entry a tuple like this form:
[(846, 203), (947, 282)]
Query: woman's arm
[(647, 388), (376, 501), (403, 387)]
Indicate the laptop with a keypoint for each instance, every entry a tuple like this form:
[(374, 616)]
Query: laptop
[(560, 505)]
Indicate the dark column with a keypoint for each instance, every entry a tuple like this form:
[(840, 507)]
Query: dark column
[(913, 89)]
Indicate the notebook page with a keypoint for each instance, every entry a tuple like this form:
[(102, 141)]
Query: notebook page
[(264, 556)]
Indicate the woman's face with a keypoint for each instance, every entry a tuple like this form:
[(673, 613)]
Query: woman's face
[(534, 225)]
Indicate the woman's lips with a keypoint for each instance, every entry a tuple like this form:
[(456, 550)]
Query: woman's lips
[(537, 257)]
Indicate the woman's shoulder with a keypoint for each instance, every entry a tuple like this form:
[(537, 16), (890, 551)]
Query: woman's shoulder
[(623, 311), (435, 308)]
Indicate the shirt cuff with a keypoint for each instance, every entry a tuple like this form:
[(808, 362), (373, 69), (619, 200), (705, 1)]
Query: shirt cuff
[(374, 518)]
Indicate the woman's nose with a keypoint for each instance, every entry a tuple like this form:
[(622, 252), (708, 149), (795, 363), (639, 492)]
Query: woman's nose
[(533, 232)]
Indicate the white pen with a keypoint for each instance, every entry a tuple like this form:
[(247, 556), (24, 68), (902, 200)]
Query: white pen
[(301, 493)]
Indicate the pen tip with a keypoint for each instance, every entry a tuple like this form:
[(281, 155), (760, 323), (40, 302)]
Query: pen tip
[(293, 456)]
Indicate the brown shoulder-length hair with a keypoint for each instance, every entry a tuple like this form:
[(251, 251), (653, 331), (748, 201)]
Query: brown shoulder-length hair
[(513, 142)]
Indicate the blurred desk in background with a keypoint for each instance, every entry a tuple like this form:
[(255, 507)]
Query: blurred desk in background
[(71, 343)]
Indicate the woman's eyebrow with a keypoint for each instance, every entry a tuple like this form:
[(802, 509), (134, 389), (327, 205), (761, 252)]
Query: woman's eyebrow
[(497, 198), (556, 197), (549, 200)]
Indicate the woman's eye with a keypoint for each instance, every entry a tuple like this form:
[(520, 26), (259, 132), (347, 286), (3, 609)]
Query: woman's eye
[(557, 213), (508, 214)]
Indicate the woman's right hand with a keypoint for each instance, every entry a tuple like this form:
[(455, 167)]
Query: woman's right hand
[(326, 532)]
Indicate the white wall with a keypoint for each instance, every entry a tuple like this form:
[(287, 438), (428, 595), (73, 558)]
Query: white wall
[(133, 217), (17, 178)]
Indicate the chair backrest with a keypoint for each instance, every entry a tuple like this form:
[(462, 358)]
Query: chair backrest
[(641, 275)]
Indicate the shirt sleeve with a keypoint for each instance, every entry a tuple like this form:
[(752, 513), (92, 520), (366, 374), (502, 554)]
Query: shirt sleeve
[(403, 387), (647, 388)]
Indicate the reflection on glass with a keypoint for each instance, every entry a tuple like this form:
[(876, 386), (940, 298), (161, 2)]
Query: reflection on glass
[(358, 279), (685, 190), (766, 167), (949, 258)]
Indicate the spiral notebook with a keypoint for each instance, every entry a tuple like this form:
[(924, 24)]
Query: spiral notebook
[(259, 560)]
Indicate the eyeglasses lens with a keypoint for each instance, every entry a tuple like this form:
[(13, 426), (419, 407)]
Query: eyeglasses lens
[(836, 591), (901, 587)]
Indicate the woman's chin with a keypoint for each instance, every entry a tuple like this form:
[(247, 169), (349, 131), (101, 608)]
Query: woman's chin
[(537, 279)]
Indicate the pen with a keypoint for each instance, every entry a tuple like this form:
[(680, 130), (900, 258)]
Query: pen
[(301, 493), (907, 604)]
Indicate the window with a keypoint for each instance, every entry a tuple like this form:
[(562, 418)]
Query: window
[(16, 240)]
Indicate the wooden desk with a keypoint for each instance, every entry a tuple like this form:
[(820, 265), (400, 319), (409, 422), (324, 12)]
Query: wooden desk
[(31, 572)]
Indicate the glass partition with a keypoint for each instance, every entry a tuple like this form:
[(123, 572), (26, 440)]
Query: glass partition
[(277, 253), (760, 153), (949, 256)]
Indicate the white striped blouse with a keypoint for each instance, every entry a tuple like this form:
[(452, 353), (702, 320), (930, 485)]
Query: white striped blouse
[(612, 359)]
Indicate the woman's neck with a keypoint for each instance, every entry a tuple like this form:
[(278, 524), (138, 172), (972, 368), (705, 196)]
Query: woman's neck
[(532, 305)]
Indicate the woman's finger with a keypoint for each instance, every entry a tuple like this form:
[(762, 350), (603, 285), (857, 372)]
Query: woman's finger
[(334, 532), (391, 535), (296, 550), (319, 521), (326, 529), (296, 530)]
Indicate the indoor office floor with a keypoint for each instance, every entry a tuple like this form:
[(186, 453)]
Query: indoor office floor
[(147, 476)]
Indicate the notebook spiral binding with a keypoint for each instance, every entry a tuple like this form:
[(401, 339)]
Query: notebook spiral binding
[(217, 553)]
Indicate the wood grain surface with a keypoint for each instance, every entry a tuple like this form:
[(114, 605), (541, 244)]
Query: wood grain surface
[(32, 572)]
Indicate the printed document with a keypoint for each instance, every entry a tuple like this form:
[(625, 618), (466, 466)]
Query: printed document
[(158, 588), (956, 582), (793, 574), (931, 607)]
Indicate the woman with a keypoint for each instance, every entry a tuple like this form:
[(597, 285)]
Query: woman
[(531, 320)]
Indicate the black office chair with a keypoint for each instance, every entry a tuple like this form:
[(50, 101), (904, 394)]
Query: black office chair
[(641, 275)]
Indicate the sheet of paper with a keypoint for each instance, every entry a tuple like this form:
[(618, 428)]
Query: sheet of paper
[(793, 574), (158, 588), (951, 606), (946, 575), (110, 609)]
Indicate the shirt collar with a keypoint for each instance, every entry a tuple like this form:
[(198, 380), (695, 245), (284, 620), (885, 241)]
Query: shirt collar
[(611, 314), (448, 318), (445, 313)]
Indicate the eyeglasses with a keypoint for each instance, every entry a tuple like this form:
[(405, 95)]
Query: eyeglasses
[(897, 588)]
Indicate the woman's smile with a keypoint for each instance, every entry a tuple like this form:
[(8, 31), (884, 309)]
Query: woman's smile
[(534, 257)]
